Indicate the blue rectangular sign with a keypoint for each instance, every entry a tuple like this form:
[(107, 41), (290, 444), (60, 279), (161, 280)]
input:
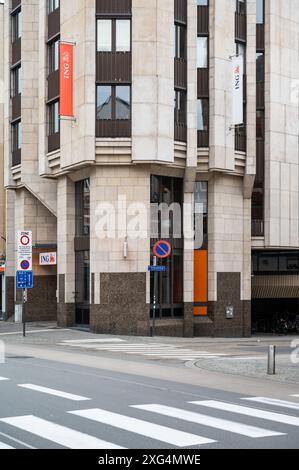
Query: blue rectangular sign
[(24, 280), (157, 269)]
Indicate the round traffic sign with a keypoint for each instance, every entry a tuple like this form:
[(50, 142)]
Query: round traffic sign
[(162, 249), (25, 240), (25, 265)]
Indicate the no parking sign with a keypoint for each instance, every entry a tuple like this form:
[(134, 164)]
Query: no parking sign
[(24, 248)]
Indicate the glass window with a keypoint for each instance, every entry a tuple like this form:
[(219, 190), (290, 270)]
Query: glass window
[(202, 52), (241, 7), (180, 107), (201, 215), (260, 67), (123, 102), (104, 102), (82, 190), (16, 81), (268, 262), (16, 136), (260, 11), (53, 5), (202, 115), (54, 123), (288, 262), (180, 42), (123, 35), (104, 39), (202, 3), (54, 56), (16, 26)]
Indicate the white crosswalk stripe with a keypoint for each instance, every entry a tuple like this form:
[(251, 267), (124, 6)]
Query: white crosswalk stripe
[(2, 379), (143, 428), (156, 350), (58, 434), (50, 391), (247, 411), (274, 402), (209, 421), (5, 446)]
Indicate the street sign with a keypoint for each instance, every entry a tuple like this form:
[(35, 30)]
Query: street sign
[(24, 251), (24, 280), (162, 249), (157, 269)]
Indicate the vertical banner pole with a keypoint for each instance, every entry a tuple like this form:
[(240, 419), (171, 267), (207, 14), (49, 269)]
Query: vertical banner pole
[(24, 311)]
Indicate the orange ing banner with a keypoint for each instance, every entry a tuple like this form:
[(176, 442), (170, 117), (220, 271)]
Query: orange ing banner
[(66, 80), (201, 282)]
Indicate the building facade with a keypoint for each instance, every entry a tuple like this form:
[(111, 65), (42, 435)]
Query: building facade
[(153, 114), (2, 190)]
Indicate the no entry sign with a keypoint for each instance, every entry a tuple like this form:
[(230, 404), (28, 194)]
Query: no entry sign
[(162, 249)]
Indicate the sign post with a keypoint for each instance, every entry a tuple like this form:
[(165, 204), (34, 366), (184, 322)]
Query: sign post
[(162, 250), (24, 277)]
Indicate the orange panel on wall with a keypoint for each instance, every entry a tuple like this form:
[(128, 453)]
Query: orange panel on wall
[(201, 280)]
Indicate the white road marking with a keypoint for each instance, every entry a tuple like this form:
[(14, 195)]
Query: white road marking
[(2, 379), (57, 393), (61, 435), (56, 330), (295, 396), (209, 421), (87, 341), (247, 411), (143, 428), (17, 441), (274, 402), (5, 446)]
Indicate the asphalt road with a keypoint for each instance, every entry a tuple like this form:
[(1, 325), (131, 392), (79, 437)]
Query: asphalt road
[(113, 409)]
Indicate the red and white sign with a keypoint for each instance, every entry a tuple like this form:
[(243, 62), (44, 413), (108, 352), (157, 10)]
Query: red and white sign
[(237, 112), (24, 251), (66, 80), (48, 259)]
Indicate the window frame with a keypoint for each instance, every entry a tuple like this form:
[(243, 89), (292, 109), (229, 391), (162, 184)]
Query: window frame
[(113, 38), (113, 100)]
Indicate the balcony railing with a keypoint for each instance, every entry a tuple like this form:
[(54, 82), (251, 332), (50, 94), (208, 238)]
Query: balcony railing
[(114, 67), (180, 132), (180, 73), (240, 139), (203, 139), (257, 227), (113, 128)]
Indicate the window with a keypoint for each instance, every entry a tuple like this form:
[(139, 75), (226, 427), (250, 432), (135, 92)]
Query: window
[(16, 25), (260, 124), (54, 56), (241, 7), (180, 42), (202, 3), (201, 215), (16, 81), (260, 11), (82, 190), (180, 107), (53, 119), (113, 102), (113, 35), (260, 67), (241, 51), (202, 52), (53, 5), (202, 115), (16, 136)]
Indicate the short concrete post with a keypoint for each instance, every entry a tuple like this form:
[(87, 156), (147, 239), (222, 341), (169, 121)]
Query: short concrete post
[(272, 360)]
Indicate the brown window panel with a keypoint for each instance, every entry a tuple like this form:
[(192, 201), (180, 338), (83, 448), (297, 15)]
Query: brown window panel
[(15, 4), (54, 23), (260, 37), (260, 163), (82, 243), (241, 26), (113, 128), (114, 67), (180, 11), (117, 7), (180, 73), (16, 157), (16, 107), (203, 139), (240, 139), (16, 51), (53, 85), (180, 132), (260, 95), (203, 24), (53, 142), (203, 83), (257, 227)]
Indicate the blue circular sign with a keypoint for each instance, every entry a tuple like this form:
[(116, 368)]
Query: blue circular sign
[(25, 265), (162, 249)]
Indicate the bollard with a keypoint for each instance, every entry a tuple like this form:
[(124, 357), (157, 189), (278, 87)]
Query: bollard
[(272, 360)]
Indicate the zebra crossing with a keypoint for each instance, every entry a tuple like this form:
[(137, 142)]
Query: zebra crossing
[(150, 350), (189, 425)]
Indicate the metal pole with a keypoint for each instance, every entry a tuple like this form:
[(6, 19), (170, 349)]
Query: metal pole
[(24, 300), (272, 360), (155, 297)]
